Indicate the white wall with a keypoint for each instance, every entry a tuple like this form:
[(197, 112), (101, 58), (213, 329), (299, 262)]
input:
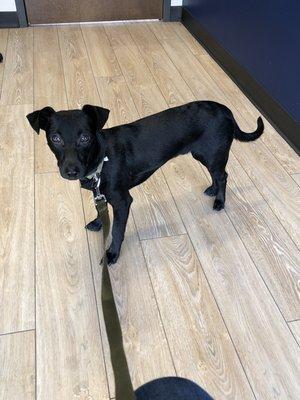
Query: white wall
[(176, 2), (7, 5)]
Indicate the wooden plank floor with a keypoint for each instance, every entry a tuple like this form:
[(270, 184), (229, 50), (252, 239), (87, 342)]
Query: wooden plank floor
[(214, 297)]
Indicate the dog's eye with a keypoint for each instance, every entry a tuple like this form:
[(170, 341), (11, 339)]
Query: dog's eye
[(56, 139), (84, 138)]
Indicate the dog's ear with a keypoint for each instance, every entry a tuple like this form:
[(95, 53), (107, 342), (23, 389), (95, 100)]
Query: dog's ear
[(40, 119), (98, 115)]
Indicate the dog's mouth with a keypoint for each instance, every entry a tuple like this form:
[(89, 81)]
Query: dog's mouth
[(71, 178), (72, 173)]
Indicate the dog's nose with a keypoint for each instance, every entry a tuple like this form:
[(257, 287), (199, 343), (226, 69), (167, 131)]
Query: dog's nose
[(72, 173)]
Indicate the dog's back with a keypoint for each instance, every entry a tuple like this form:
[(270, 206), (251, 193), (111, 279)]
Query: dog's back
[(201, 127)]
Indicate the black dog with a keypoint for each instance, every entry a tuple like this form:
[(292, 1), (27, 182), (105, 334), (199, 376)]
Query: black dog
[(136, 150)]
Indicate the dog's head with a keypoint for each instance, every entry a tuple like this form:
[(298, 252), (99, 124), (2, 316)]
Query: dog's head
[(72, 137)]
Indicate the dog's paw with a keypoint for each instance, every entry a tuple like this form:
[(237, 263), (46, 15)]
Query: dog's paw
[(94, 226), (218, 205), (86, 184), (111, 257), (211, 191)]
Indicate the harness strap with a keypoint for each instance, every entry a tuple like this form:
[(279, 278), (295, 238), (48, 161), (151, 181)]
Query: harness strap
[(123, 384), (97, 173)]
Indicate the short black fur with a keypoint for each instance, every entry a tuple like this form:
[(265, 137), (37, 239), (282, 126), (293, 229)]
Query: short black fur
[(135, 151)]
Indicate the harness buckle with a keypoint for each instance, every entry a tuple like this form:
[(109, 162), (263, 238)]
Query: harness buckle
[(97, 195)]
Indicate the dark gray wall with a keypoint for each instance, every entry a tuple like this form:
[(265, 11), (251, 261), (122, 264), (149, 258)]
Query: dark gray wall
[(263, 37)]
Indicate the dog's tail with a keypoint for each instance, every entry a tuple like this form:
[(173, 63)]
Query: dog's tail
[(248, 137)]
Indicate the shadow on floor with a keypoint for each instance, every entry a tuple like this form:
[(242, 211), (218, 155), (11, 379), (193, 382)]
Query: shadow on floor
[(171, 388)]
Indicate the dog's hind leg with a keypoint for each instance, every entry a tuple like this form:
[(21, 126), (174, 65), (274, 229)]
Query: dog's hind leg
[(220, 179), (218, 176), (213, 189)]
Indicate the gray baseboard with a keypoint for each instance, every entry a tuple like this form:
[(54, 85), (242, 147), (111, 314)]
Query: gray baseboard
[(175, 14), (22, 16), (9, 19), (171, 13)]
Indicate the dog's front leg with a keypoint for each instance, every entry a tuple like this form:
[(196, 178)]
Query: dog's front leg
[(87, 184), (94, 225), (120, 214)]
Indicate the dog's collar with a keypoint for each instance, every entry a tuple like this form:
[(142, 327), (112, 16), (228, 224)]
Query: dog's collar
[(96, 178), (97, 172)]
